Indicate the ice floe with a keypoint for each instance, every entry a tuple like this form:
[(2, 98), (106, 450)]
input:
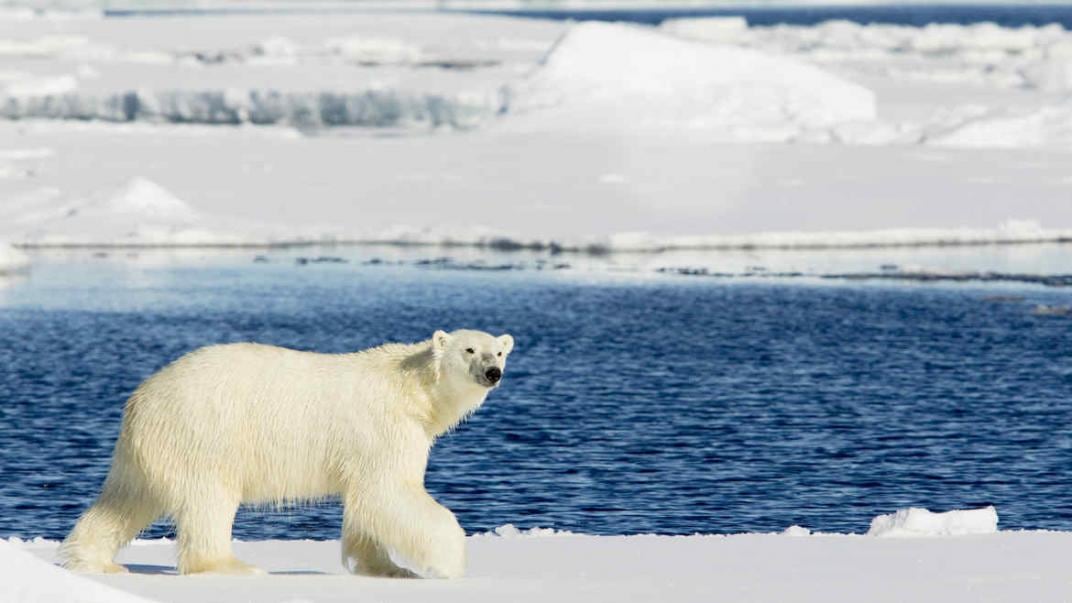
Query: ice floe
[(616, 76)]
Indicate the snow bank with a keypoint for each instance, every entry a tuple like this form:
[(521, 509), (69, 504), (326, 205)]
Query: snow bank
[(916, 522), (624, 77), (371, 108), (28, 579)]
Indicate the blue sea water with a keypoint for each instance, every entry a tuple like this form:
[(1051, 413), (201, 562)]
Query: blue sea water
[(631, 404), (912, 13)]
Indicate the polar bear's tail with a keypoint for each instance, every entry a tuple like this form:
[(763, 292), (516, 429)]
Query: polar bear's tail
[(123, 509)]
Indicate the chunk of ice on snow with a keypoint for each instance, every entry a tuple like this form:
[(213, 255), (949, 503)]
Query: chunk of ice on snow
[(915, 522), (510, 531), (623, 76)]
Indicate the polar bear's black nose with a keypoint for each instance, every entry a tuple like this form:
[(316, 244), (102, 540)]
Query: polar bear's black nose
[(493, 374)]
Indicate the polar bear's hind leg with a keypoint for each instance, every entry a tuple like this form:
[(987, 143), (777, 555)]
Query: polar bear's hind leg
[(118, 515)]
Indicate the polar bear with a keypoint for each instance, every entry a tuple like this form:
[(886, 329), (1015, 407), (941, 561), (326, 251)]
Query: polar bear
[(249, 423)]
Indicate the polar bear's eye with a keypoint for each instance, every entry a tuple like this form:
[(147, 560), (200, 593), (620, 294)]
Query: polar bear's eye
[(469, 350), (500, 354)]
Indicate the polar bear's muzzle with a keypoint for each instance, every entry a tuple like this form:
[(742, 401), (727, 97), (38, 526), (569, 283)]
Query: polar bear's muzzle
[(493, 375)]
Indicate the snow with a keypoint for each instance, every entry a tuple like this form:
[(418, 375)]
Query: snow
[(962, 560), (28, 579), (915, 522), (720, 146)]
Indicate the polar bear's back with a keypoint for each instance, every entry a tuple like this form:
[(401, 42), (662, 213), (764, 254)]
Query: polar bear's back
[(258, 420)]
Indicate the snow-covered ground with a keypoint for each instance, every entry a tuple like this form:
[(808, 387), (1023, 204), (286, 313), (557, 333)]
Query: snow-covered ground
[(913, 555), (424, 128)]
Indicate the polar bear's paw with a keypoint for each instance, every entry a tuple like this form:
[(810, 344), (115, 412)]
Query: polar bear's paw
[(230, 567), (389, 572), (113, 568), (94, 567)]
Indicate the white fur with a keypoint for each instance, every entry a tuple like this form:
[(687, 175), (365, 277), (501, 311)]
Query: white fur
[(249, 423)]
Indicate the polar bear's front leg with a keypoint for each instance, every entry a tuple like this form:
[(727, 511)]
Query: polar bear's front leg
[(415, 531), (205, 538), (363, 555)]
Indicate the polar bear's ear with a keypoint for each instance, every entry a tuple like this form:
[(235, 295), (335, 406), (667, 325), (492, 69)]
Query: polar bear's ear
[(440, 340), (507, 343)]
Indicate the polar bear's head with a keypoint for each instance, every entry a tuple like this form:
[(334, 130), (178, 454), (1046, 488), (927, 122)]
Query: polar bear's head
[(472, 356)]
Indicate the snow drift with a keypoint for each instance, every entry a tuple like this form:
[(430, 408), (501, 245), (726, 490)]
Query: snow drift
[(625, 77)]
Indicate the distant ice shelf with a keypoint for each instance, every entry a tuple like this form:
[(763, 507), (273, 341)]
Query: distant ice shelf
[(369, 108)]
